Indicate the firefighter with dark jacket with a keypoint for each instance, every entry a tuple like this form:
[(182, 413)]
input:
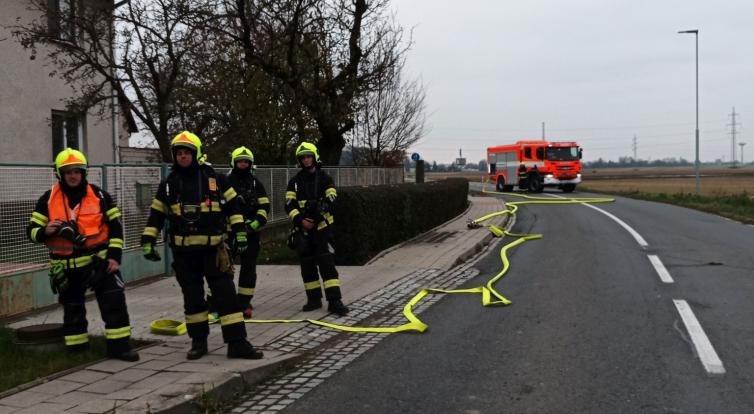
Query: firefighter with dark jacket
[(255, 206), (310, 203), (80, 224), (197, 203)]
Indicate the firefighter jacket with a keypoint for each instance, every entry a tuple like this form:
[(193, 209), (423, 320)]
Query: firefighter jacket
[(197, 203), (252, 196), (91, 211), (311, 195)]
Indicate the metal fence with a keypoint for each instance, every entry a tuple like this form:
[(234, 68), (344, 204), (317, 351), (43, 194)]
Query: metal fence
[(132, 187)]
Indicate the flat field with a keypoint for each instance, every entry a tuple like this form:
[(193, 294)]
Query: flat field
[(713, 181)]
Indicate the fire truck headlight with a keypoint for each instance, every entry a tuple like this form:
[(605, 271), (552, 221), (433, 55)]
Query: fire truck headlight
[(578, 175), (548, 175)]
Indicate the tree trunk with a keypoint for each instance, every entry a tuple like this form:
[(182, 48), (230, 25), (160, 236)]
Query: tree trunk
[(331, 143), (164, 143)]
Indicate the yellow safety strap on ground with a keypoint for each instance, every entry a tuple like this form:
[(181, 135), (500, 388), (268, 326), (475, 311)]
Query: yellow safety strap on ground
[(167, 327), (490, 296)]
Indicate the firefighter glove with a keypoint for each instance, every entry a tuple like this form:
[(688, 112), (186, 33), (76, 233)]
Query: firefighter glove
[(58, 279), (150, 253), (241, 242)]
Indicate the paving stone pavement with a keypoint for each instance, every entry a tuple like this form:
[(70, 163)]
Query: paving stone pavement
[(164, 380)]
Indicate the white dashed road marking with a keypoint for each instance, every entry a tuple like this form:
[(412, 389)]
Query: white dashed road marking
[(711, 362), (660, 269), (707, 355)]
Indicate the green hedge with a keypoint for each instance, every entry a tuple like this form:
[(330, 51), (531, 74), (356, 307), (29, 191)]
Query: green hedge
[(371, 219)]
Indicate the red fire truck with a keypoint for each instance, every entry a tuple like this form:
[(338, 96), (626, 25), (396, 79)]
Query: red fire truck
[(533, 165)]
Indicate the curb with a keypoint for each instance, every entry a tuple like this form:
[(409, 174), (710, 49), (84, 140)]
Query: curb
[(228, 390), (480, 246)]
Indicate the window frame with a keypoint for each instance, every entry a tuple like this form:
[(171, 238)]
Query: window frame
[(55, 24), (61, 131)]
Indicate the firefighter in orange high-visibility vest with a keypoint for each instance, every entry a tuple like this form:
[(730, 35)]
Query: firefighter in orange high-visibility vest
[(80, 225)]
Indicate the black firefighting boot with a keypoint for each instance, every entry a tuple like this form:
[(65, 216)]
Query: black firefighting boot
[(337, 307), (198, 348), (312, 304), (244, 350), (129, 356)]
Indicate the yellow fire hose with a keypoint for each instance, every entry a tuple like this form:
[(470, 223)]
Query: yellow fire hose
[(490, 296)]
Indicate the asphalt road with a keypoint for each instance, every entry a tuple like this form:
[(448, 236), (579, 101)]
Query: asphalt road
[(592, 328)]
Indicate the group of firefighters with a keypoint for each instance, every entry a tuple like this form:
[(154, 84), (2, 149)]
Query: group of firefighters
[(206, 213)]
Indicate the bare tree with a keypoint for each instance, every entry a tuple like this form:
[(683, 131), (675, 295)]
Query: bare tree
[(326, 52), (269, 73), (137, 52), (229, 104), (390, 119)]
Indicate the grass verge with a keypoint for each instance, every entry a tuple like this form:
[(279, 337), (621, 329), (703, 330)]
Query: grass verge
[(738, 207), (22, 364)]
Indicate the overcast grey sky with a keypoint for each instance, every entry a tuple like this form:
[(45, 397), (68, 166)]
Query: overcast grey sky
[(596, 71)]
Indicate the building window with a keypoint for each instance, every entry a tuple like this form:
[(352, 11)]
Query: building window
[(67, 131), (60, 18)]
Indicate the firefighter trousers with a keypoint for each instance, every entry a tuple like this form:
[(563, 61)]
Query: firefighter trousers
[(317, 257), (191, 268), (112, 306), (247, 276)]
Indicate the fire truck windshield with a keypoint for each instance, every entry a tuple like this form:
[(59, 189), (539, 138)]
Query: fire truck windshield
[(562, 153)]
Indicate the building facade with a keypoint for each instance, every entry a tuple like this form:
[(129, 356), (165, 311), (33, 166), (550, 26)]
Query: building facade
[(34, 122)]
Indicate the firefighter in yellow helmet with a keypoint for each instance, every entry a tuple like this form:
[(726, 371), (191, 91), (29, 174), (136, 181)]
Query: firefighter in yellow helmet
[(310, 203), (197, 203), (255, 206), (80, 224)]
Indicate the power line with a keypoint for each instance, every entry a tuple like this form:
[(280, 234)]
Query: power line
[(525, 130), (662, 144), (497, 140)]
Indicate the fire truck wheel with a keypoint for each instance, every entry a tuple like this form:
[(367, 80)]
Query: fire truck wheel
[(568, 188), (500, 185), (535, 183)]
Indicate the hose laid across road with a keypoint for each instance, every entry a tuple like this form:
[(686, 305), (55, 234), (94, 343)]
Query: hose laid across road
[(490, 296)]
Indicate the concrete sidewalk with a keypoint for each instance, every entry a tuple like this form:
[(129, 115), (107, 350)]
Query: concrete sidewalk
[(164, 381)]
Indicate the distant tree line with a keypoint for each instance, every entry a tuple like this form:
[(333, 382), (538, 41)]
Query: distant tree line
[(262, 73), (631, 162), (433, 166)]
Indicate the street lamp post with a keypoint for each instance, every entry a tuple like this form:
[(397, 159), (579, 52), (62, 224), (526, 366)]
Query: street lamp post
[(696, 162)]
